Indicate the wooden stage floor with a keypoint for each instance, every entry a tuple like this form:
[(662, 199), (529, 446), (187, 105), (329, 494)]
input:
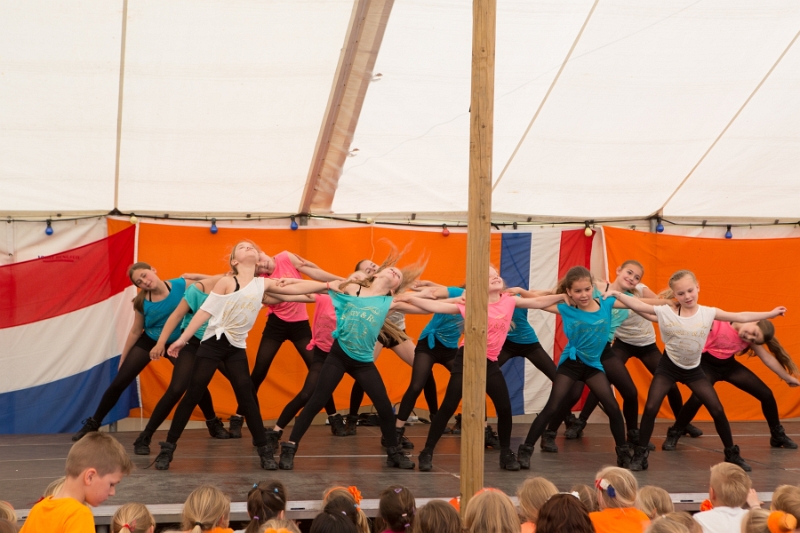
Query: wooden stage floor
[(29, 462)]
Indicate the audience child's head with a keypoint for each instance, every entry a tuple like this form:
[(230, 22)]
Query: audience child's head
[(786, 498), (7, 511), (332, 522), (95, 464), (654, 501), (563, 512), (279, 525), (662, 524), (532, 494), (437, 516), (491, 511), (396, 510), (54, 487), (133, 518), (684, 518), (588, 496), (353, 497), (7, 526), (616, 488), (266, 500), (755, 521), (205, 508), (729, 485)]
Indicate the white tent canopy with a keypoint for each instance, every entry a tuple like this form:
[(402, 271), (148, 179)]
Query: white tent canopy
[(607, 109)]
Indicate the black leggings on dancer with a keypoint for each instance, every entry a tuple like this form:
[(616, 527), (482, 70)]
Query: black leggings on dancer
[(210, 355), (276, 332), (649, 356), (422, 376), (310, 384), (739, 376), (336, 365), (496, 389), (568, 374), (137, 359), (667, 374)]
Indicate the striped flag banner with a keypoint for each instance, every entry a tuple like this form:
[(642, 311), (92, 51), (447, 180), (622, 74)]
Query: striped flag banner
[(537, 260), (64, 319)]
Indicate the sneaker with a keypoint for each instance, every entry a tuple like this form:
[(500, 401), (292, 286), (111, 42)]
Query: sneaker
[(490, 438), (693, 431), (287, 455), (164, 457), (265, 453), (456, 429), (89, 425), (396, 458), (337, 425), (779, 438), (633, 440), (623, 456), (671, 442), (426, 460), (524, 455), (508, 461), (548, 442), (141, 446), (235, 426), (217, 429), (639, 459), (732, 456), (575, 430), (351, 424)]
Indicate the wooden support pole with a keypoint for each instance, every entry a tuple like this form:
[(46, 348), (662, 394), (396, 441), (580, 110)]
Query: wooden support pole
[(478, 243)]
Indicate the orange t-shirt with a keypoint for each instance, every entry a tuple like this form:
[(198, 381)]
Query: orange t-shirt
[(613, 520), (62, 515)]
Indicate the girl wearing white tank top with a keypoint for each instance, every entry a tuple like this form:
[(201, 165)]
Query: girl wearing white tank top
[(684, 331)]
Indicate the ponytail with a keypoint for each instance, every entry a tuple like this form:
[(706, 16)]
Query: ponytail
[(265, 501), (775, 347), (132, 518)]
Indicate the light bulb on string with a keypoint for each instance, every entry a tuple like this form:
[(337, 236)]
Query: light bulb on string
[(49, 229), (134, 219), (659, 226), (728, 234), (293, 225), (445, 231), (214, 228), (587, 231)]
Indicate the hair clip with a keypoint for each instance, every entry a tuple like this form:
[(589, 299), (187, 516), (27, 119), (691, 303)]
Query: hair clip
[(603, 484), (781, 522), (355, 492), (344, 513), (255, 485), (398, 490), (404, 515), (199, 524), (256, 518), (130, 528)]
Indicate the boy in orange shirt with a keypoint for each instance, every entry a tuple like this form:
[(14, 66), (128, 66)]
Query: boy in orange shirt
[(95, 465)]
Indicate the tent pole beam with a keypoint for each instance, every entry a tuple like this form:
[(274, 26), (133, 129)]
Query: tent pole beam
[(123, 39), (478, 247), (353, 75)]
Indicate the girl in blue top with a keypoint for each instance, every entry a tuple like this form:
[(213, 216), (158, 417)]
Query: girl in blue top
[(587, 325), (361, 308), (155, 302)]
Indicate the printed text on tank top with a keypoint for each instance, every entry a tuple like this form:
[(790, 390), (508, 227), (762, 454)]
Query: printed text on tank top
[(150, 294)]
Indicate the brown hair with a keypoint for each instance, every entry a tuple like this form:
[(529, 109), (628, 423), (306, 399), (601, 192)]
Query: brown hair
[(132, 518), (563, 512), (358, 265), (7, 511), (138, 300), (775, 347), (588, 497), (437, 516), (786, 498), (654, 501), (663, 524), (574, 274), (684, 518), (264, 501), (532, 494), (233, 252), (491, 511), (361, 520), (633, 262), (396, 509), (205, 508), (100, 451), (7, 526), (730, 483), (625, 487), (755, 521)]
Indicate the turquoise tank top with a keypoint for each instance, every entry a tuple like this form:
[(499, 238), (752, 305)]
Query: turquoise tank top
[(618, 316), (195, 298), (587, 332), (358, 322), (521, 330), (157, 313), (446, 329)]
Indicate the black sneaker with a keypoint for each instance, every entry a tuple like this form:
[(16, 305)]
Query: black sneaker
[(426, 460), (508, 461), (732, 456), (235, 427), (89, 425), (779, 438), (671, 442), (575, 430), (490, 438), (164, 457), (351, 425), (456, 429), (693, 431), (217, 429), (337, 425), (141, 446), (287, 456), (548, 442)]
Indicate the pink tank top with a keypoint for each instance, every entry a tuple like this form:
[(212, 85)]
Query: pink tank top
[(723, 341), (324, 324), (288, 311), (500, 314)]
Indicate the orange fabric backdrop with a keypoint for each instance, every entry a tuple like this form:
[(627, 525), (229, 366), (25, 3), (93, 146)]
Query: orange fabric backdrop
[(174, 250), (734, 275)]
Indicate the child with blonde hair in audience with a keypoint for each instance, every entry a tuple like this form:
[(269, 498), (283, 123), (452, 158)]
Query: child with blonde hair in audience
[(133, 518), (491, 511), (54, 487), (728, 489), (206, 509), (755, 521), (587, 495), (682, 517), (437, 516), (95, 465), (786, 498), (279, 525), (654, 501), (7, 511), (616, 494), (662, 524), (7, 526), (532, 494), (396, 510)]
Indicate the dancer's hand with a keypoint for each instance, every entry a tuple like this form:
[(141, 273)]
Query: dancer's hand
[(514, 290), (157, 352), (283, 282), (175, 347), (610, 293), (778, 311), (793, 382)]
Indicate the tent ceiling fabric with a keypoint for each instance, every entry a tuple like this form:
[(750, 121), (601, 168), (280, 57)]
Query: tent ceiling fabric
[(223, 104)]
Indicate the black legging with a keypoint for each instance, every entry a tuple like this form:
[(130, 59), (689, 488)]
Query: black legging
[(739, 376), (422, 375), (704, 391), (136, 361), (298, 402), (366, 374), (211, 353), (267, 350), (496, 389), (560, 393), (181, 377), (649, 356)]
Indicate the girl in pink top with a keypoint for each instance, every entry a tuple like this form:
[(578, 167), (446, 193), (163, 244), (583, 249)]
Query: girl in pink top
[(501, 309), (728, 339)]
